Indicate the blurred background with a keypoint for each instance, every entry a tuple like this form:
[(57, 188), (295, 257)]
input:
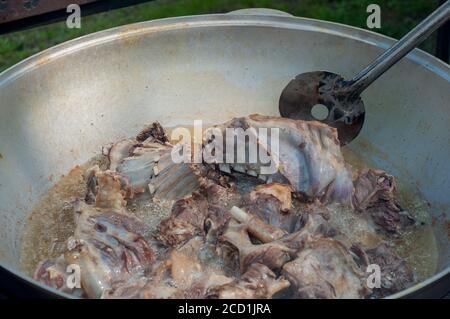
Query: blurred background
[(397, 18)]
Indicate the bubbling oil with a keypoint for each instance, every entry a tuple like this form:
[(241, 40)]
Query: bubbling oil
[(417, 245)]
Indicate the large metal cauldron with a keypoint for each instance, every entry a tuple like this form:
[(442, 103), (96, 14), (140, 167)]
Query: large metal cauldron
[(58, 107)]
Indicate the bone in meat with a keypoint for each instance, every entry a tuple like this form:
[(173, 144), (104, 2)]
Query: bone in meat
[(257, 282)]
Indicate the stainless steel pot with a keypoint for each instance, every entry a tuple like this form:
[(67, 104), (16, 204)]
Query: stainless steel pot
[(58, 107)]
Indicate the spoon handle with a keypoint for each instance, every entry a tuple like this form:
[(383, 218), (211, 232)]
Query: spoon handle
[(383, 62)]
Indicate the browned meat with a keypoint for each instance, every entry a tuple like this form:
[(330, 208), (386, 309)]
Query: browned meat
[(217, 195), (216, 220), (374, 195), (204, 212), (257, 282), (278, 246), (396, 275), (272, 204), (173, 232), (155, 132), (187, 220), (107, 189), (193, 209), (209, 174), (281, 192), (325, 269)]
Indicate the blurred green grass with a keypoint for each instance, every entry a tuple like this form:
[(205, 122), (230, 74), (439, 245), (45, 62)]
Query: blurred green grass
[(398, 17)]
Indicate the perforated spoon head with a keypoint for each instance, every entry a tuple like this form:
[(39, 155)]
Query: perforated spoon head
[(309, 90)]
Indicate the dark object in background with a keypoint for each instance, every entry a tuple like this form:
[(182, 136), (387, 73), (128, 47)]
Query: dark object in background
[(443, 45), (17, 15)]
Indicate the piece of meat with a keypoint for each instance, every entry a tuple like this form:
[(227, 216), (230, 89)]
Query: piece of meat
[(173, 232), (216, 221), (313, 224), (374, 195), (53, 273), (139, 166), (257, 227), (325, 269), (146, 163), (194, 269), (155, 132), (272, 254), (396, 275), (119, 151), (146, 288), (193, 209), (186, 221), (257, 282), (278, 246), (202, 213), (172, 181), (221, 194), (109, 247), (309, 156), (181, 275), (272, 203), (142, 288), (211, 174), (281, 192), (107, 189), (218, 189)]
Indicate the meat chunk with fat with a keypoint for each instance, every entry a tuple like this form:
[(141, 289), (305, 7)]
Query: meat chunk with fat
[(396, 275), (107, 189), (325, 269), (186, 221), (281, 192), (374, 195), (109, 247), (272, 203), (202, 213)]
